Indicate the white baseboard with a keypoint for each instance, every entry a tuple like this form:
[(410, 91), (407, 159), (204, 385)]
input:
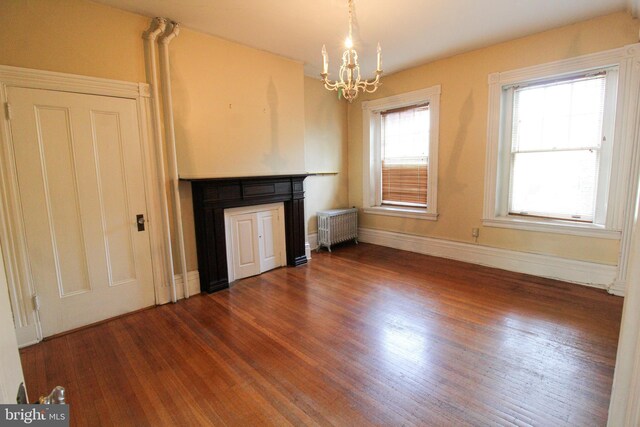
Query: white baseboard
[(312, 238), (581, 272), (618, 288), (193, 278), (27, 335)]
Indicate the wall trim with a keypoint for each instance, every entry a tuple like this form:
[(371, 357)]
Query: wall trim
[(312, 238), (193, 282), (307, 250), (164, 293), (27, 335), (50, 80), (371, 191), (581, 272)]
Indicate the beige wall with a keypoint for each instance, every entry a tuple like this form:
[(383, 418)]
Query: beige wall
[(231, 100), (238, 111), (326, 150), (72, 36), (463, 126)]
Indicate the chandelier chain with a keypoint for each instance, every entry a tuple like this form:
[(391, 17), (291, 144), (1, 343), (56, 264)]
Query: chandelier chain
[(351, 19)]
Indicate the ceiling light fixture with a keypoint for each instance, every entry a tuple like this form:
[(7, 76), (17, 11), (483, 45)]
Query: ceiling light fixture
[(350, 82)]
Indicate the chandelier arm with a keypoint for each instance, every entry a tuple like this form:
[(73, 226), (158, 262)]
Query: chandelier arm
[(374, 82), (328, 84)]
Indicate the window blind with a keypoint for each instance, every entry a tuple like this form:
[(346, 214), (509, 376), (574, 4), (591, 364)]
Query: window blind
[(555, 149), (404, 155)]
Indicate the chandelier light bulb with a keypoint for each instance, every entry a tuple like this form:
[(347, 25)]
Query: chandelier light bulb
[(348, 43), (325, 60)]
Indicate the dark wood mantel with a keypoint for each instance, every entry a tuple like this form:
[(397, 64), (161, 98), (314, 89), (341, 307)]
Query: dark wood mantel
[(212, 196)]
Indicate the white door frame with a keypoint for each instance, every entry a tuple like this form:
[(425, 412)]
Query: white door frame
[(12, 236)]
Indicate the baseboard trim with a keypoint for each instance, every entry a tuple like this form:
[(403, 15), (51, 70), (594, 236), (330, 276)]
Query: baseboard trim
[(27, 335), (312, 238), (584, 273), (193, 280), (618, 288)]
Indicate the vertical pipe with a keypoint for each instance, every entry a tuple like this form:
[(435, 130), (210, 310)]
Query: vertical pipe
[(165, 73), (157, 27)]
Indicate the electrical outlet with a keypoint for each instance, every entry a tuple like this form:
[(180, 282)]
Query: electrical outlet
[(475, 232)]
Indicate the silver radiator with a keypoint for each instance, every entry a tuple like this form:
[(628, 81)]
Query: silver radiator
[(337, 225)]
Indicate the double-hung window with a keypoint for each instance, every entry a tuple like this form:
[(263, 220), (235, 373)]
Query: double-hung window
[(405, 156), (556, 156), (560, 147), (400, 155)]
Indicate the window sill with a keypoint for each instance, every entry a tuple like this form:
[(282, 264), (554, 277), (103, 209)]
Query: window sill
[(415, 213), (553, 226)]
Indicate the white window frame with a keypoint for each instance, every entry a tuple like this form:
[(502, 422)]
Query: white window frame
[(605, 151), (372, 162), (620, 186)]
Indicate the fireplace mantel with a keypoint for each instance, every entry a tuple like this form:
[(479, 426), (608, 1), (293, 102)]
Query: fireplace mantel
[(212, 196)]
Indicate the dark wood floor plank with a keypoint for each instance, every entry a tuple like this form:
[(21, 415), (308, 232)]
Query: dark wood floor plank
[(365, 335)]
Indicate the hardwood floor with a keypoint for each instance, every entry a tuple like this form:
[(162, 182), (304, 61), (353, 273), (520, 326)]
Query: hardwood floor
[(365, 335)]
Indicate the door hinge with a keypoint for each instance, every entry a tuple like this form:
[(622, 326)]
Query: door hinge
[(7, 110), (36, 302)]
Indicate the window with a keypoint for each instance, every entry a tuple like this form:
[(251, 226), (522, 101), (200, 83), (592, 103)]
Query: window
[(559, 148), (556, 158), (401, 141), (405, 156)]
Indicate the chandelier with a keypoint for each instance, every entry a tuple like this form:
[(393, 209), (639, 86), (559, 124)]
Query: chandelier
[(350, 82)]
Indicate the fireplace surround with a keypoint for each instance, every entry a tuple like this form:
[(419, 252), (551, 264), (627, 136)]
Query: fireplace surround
[(212, 196)]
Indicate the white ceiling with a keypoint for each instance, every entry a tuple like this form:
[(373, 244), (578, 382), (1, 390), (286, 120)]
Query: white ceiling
[(411, 32)]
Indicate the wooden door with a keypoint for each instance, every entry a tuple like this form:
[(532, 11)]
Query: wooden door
[(244, 236), (10, 365), (80, 176), (269, 240)]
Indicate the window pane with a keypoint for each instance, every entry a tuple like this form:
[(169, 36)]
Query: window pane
[(556, 184), (561, 115), (405, 151), (405, 134)]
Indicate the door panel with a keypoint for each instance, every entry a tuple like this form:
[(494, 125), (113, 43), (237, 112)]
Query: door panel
[(244, 234), (268, 240), (60, 188), (112, 187), (79, 165)]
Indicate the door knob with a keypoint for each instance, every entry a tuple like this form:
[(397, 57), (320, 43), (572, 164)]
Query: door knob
[(57, 396), (140, 222)]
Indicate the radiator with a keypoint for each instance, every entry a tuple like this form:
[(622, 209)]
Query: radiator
[(336, 226)]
